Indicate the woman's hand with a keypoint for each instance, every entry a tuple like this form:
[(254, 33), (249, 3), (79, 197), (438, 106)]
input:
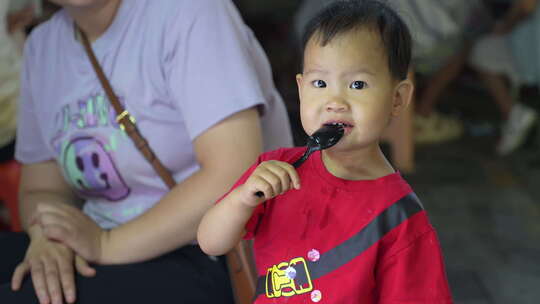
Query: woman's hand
[(51, 267), (272, 178), (71, 227)]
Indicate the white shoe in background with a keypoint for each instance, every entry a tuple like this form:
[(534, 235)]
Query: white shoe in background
[(515, 130)]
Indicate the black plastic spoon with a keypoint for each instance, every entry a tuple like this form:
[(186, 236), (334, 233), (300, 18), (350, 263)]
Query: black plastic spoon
[(324, 138)]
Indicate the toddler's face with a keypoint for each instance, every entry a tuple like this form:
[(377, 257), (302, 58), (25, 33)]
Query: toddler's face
[(348, 82)]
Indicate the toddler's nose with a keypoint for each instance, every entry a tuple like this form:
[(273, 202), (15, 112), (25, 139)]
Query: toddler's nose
[(337, 105)]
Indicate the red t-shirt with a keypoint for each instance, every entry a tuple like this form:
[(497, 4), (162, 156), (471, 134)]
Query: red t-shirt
[(395, 259)]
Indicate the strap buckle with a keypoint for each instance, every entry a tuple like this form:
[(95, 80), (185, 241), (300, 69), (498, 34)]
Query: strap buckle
[(121, 116), (280, 279)]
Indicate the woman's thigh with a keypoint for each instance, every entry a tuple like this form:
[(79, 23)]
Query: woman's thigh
[(183, 276), (13, 248)]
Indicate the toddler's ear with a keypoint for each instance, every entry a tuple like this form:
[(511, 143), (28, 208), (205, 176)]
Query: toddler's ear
[(402, 96), (299, 84)]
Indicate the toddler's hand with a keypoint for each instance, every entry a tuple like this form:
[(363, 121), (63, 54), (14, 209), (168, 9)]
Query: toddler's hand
[(272, 178)]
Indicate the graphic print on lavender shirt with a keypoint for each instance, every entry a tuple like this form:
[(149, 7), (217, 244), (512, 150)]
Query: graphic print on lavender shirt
[(86, 139), (91, 169)]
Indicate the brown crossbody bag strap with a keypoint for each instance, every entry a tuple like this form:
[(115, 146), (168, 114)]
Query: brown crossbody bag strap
[(125, 120), (238, 260)]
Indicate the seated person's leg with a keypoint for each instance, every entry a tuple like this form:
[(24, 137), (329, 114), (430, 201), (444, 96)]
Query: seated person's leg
[(183, 276), (429, 125), (14, 247), (493, 60)]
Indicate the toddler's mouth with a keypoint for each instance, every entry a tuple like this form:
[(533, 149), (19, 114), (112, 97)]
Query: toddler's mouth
[(345, 125)]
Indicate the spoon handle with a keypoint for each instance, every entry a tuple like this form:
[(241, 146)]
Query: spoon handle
[(302, 159)]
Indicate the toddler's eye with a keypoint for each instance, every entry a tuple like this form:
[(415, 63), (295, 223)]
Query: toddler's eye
[(358, 85), (319, 83)]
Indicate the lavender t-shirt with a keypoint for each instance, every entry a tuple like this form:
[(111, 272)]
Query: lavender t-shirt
[(179, 66)]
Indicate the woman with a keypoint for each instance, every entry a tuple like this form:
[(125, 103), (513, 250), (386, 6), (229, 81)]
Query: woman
[(200, 88)]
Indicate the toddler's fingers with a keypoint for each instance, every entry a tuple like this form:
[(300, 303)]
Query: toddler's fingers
[(265, 187), (284, 178), (293, 175), (271, 179)]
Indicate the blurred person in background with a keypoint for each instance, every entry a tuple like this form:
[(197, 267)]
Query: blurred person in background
[(507, 59), (443, 33), (200, 88)]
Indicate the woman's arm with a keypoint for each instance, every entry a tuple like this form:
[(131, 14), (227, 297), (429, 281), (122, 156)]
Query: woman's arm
[(42, 183), (224, 152), (50, 263)]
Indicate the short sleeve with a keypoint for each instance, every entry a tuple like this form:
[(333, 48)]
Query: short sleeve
[(211, 65), (415, 274), (31, 146)]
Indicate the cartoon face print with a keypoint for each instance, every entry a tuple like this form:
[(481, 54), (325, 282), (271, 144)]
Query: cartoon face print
[(91, 170)]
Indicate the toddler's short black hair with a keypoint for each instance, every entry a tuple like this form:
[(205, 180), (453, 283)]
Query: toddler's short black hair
[(342, 16)]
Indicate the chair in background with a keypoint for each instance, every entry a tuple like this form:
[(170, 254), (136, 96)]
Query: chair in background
[(10, 173)]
